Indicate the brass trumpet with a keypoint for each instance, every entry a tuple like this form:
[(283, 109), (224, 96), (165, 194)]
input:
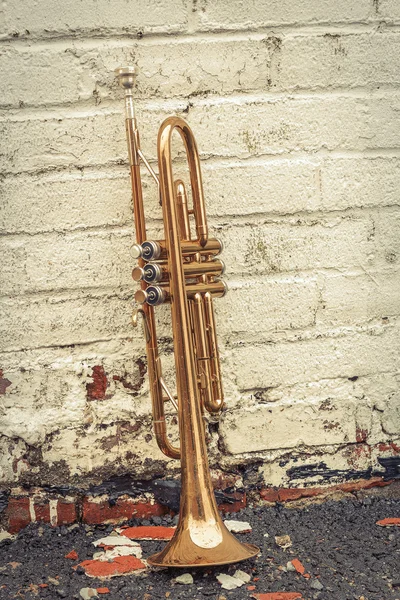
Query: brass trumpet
[(183, 272)]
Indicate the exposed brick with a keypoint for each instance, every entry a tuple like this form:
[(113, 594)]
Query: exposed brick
[(66, 512), (290, 494), (121, 565), (96, 390), (4, 383), (123, 509), (390, 447), (18, 514), (42, 512)]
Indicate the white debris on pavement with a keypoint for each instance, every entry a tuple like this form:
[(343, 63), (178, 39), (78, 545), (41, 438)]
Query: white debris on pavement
[(4, 535), (130, 550), (245, 577), (283, 541), (229, 583), (114, 540), (87, 593), (290, 566), (238, 526), (185, 579)]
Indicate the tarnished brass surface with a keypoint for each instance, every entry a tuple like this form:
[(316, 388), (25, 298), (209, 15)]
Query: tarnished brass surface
[(188, 284)]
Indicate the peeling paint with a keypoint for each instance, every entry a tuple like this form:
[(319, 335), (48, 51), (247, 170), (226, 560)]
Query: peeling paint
[(4, 383), (96, 390)]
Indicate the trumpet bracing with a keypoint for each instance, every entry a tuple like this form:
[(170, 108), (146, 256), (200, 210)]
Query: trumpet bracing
[(182, 270)]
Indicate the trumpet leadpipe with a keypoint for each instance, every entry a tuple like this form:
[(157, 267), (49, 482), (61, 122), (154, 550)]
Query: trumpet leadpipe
[(157, 250), (157, 294)]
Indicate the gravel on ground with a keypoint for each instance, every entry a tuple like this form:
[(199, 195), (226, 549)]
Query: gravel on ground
[(337, 552)]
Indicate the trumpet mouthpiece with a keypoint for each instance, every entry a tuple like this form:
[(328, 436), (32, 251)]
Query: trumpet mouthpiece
[(126, 76)]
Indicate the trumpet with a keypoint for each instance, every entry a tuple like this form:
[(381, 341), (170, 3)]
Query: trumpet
[(182, 270)]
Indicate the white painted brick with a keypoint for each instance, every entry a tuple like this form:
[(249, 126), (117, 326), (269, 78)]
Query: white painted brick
[(12, 462), (167, 67), (298, 245), (98, 259), (75, 261), (386, 232), (390, 416), (240, 15), (255, 127), (101, 16), (359, 182), (350, 299), (327, 103), (285, 425), (57, 321), (62, 201), (271, 305), (336, 60), (287, 363), (389, 10), (296, 123), (282, 472), (185, 67), (277, 186)]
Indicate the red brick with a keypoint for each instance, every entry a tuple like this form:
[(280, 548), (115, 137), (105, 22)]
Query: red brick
[(290, 494), (73, 555), (119, 566), (278, 596), (391, 446), (300, 568), (42, 512), (96, 390), (4, 383), (18, 514), (123, 509), (153, 532), (66, 513), (103, 590), (389, 522)]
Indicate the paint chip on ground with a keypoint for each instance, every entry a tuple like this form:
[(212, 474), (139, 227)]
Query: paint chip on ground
[(238, 526), (390, 522), (152, 532), (121, 565)]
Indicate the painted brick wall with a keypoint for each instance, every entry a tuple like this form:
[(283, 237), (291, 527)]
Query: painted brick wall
[(296, 109)]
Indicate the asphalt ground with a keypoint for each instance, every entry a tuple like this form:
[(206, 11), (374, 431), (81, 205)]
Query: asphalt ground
[(344, 554)]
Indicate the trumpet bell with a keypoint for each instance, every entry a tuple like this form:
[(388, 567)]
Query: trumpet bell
[(182, 551)]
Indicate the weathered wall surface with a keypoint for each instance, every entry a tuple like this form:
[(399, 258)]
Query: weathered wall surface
[(296, 107)]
